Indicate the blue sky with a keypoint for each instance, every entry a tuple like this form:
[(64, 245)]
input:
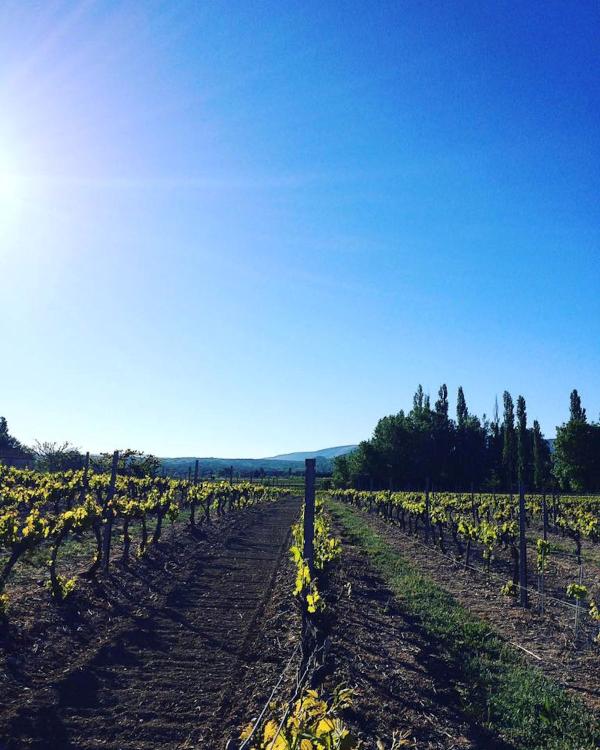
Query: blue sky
[(246, 228)]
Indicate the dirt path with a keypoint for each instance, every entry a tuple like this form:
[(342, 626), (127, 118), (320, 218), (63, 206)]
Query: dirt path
[(169, 676)]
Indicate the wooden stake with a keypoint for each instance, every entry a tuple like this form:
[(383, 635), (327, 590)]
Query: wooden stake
[(545, 516), (427, 519), (522, 550), (110, 514), (309, 514)]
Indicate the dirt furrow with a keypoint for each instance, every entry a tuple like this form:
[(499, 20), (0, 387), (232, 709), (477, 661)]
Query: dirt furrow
[(164, 680)]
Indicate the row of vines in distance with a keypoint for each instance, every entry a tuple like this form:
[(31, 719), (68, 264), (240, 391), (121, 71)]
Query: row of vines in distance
[(492, 521), (41, 511)]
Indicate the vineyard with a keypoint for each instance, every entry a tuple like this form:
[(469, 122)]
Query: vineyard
[(300, 438), (146, 612), (47, 510), (540, 550)]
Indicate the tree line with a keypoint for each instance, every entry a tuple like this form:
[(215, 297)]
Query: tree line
[(427, 445), (52, 456)]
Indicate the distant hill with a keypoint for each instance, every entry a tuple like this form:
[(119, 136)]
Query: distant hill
[(220, 466), (274, 465), (330, 453)]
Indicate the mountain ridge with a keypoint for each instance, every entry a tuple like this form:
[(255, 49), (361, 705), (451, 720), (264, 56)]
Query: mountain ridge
[(283, 463), (338, 450)]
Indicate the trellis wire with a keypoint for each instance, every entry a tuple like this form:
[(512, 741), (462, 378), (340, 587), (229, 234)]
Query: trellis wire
[(478, 570), (258, 721), (298, 688)]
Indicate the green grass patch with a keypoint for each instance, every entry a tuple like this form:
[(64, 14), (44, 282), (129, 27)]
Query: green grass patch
[(497, 687)]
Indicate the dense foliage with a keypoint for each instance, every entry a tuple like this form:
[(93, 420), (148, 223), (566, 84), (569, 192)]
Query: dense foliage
[(7, 441), (425, 444), (577, 450)]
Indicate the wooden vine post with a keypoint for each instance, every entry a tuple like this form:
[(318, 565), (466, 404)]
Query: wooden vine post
[(308, 553), (110, 514), (193, 503), (427, 513), (309, 515), (86, 478), (578, 599), (545, 515), (523, 599), (542, 565)]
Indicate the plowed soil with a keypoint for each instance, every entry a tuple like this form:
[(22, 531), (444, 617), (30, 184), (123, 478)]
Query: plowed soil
[(176, 652)]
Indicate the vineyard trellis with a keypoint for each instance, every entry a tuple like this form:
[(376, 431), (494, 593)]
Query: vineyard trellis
[(497, 523), (313, 548), (40, 511)]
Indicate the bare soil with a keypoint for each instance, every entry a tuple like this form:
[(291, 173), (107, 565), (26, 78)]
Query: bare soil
[(179, 650)]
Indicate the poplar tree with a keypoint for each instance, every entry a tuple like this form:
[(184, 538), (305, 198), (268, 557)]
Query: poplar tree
[(462, 413), (441, 405), (541, 458), (508, 439), (522, 444), (418, 400), (577, 450), (577, 412)]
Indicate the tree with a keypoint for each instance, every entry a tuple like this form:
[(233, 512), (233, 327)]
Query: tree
[(7, 441), (57, 456), (418, 399), (361, 468), (462, 412), (541, 458), (460, 472), (508, 440), (474, 447), (131, 463), (577, 456), (522, 441), (494, 468), (577, 450), (443, 438), (576, 410), (341, 472), (441, 405)]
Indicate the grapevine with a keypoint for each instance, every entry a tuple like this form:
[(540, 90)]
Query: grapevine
[(39, 510)]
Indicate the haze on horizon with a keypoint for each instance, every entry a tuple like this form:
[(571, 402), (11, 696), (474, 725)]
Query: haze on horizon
[(242, 230)]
